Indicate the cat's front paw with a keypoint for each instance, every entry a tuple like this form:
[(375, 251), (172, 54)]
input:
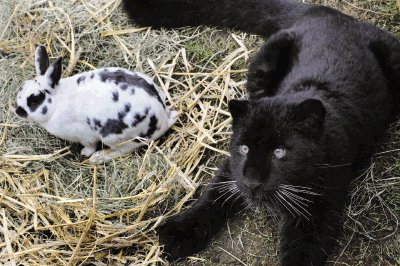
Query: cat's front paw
[(179, 238)]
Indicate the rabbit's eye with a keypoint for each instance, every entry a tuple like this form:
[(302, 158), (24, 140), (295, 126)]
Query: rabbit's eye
[(34, 101)]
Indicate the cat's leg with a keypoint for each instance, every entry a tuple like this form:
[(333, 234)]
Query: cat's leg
[(191, 230), (308, 243)]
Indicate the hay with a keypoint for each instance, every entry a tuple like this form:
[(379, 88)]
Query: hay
[(57, 209)]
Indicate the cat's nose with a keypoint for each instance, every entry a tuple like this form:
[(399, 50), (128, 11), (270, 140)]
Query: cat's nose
[(251, 186)]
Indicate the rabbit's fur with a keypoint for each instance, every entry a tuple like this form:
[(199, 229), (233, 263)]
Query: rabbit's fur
[(114, 106)]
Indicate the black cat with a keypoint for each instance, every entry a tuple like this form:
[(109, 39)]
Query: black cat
[(323, 89)]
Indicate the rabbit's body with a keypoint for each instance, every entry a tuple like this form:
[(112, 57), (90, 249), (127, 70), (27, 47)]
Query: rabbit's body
[(110, 105), (106, 110)]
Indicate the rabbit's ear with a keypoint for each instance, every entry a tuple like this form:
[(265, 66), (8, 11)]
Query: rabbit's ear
[(54, 72), (41, 60)]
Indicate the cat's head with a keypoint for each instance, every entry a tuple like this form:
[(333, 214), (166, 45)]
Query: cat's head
[(275, 146)]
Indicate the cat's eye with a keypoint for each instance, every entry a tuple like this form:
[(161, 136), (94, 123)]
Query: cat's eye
[(279, 153), (243, 149)]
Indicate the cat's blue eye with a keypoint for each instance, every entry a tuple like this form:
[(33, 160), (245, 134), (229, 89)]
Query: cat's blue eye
[(243, 150), (279, 153)]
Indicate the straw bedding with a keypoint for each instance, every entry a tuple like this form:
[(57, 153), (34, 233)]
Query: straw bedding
[(57, 209)]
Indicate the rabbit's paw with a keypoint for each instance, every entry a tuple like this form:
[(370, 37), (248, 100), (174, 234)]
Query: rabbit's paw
[(87, 151), (99, 157)]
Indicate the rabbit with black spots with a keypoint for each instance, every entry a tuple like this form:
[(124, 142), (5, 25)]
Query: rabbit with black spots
[(115, 106)]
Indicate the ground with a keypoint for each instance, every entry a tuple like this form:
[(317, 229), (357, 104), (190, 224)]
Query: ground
[(58, 209)]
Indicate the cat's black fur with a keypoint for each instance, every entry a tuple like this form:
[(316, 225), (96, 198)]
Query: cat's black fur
[(323, 87)]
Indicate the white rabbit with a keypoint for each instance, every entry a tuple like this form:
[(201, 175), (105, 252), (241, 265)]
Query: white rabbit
[(112, 105)]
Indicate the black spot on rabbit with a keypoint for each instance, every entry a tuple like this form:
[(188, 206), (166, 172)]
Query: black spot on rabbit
[(127, 107), (113, 126), (44, 110), (115, 96), (116, 126), (120, 76), (140, 117), (152, 127), (97, 123), (34, 101), (80, 79), (122, 114), (89, 122)]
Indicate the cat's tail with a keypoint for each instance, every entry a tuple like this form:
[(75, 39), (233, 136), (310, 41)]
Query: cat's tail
[(262, 17)]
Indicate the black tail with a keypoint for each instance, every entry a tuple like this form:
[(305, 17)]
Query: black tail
[(262, 17)]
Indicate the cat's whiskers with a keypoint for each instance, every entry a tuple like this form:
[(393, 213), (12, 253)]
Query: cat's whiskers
[(293, 204), (290, 203), (278, 197), (299, 204), (248, 205), (297, 197), (267, 205), (327, 165), (320, 186), (300, 189), (293, 198), (223, 182), (296, 187), (225, 188), (240, 195), (234, 192), (223, 194)]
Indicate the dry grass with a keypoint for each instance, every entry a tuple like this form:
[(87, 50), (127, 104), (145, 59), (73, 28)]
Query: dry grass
[(56, 209)]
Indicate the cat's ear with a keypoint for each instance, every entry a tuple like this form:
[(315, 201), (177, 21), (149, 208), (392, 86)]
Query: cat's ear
[(310, 113), (271, 64), (238, 108), (387, 53)]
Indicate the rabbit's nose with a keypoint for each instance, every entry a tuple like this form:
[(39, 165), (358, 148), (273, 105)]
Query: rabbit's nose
[(21, 112)]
